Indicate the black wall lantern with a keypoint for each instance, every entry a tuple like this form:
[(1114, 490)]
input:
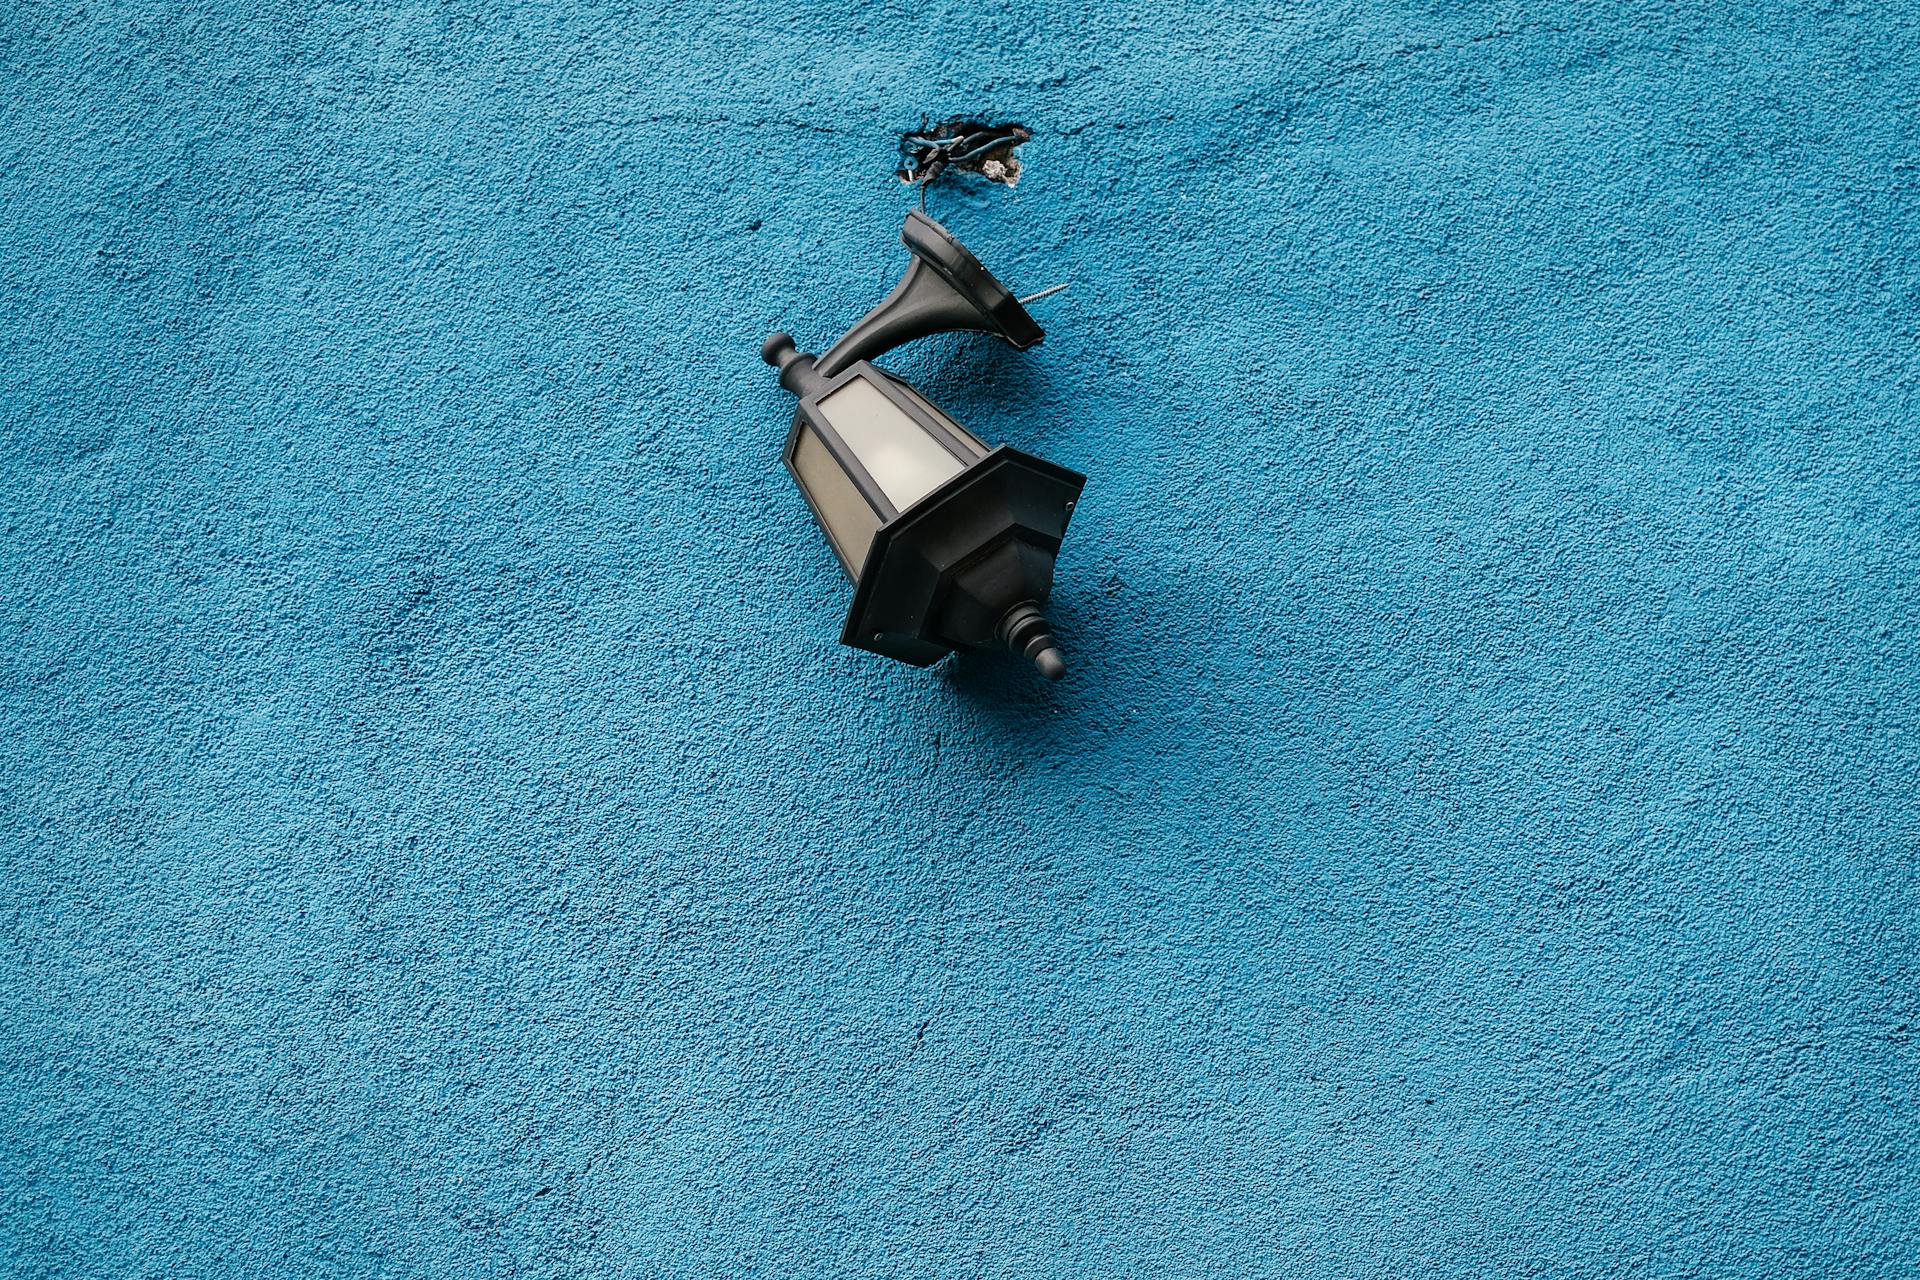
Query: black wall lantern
[(950, 544)]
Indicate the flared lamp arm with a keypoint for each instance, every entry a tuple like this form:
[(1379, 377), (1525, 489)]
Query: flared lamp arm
[(945, 290)]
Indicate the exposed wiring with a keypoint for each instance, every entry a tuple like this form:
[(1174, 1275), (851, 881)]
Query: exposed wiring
[(970, 145)]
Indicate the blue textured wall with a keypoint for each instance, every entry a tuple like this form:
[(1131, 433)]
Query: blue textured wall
[(1479, 835)]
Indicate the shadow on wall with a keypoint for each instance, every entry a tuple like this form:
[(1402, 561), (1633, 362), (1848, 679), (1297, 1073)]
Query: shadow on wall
[(996, 392), (1142, 635), (1140, 626)]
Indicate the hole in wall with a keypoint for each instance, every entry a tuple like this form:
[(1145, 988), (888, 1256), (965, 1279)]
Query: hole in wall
[(963, 144)]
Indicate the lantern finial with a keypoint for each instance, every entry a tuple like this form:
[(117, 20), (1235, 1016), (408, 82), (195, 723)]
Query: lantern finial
[(1024, 630)]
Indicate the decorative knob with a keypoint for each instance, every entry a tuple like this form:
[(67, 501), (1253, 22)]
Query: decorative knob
[(795, 366), (1024, 629)]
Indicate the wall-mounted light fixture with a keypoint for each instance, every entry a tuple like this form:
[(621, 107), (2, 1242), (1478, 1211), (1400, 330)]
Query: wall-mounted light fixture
[(950, 543)]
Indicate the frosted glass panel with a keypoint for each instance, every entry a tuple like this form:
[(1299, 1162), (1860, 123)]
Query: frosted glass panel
[(902, 458), (965, 436), (850, 523)]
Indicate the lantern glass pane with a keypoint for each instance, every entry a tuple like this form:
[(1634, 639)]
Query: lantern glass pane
[(960, 433), (850, 523), (897, 452)]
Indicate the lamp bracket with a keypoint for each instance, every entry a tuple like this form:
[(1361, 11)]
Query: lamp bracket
[(945, 290)]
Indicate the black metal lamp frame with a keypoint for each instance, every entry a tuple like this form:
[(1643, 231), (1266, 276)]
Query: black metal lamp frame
[(970, 564)]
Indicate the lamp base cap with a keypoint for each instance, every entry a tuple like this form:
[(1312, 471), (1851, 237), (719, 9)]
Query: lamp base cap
[(968, 566)]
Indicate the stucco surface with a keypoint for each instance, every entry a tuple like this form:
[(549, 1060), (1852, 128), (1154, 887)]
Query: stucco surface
[(1478, 835)]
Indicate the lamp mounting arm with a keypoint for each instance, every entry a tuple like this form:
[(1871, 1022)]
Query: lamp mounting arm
[(945, 290)]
